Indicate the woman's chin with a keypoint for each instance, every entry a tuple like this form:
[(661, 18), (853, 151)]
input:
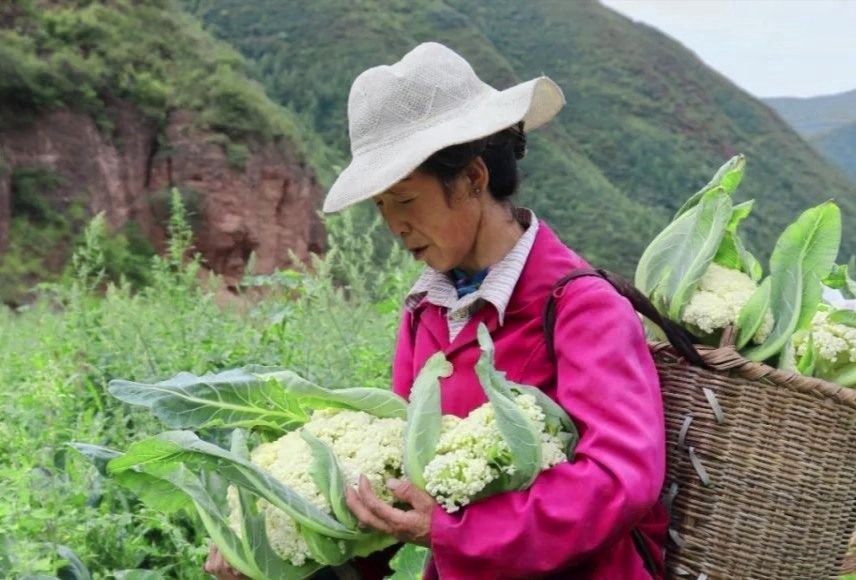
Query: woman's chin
[(430, 259), (438, 265)]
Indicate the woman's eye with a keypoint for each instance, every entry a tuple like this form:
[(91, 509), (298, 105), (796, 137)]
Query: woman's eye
[(405, 201)]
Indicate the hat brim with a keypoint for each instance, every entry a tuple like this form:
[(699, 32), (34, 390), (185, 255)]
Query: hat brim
[(372, 172)]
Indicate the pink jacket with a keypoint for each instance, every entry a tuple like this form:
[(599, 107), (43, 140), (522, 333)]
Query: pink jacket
[(575, 521)]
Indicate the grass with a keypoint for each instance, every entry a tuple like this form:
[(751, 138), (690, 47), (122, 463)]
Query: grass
[(334, 323)]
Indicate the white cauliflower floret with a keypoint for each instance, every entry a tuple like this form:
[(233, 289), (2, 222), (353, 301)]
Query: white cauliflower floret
[(456, 476), (716, 303), (362, 443), (471, 454), (834, 344)]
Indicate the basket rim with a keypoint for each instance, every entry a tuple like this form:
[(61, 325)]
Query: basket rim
[(726, 358)]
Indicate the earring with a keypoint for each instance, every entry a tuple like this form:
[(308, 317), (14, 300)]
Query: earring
[(477, 191)]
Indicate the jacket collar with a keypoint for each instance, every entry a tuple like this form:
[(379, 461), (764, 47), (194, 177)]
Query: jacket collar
[(548, 261), (438, 289)]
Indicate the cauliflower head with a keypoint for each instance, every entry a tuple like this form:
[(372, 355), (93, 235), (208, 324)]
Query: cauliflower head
[(834, 344), (362, 443), (716, 303), (471, 454)]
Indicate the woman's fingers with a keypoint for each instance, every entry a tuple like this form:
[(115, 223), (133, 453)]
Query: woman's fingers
[(393, 517), (364, 514), (213, 563), (404, 525), (217, 566), (404, 490)]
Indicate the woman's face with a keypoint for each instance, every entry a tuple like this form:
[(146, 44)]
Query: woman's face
[(441, 234)]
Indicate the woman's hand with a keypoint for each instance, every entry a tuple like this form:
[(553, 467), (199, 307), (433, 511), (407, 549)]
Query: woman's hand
[(412, 526), (217, 566)]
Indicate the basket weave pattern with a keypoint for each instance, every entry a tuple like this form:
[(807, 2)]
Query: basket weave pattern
[(778, 452)]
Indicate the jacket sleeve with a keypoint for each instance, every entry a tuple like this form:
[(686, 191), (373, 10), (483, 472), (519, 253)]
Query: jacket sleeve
[(607, 381)]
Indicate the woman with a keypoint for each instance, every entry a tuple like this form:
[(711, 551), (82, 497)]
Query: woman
[(436, 150)]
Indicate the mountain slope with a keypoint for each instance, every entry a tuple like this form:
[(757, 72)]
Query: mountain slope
[(827, 122), (654, 118), (812, 116), (647, 121), (105, 106), (839, 146)]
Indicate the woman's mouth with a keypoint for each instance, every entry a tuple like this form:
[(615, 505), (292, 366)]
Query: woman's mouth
[(418, 252)]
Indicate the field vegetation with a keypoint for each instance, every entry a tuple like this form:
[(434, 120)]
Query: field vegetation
[(334, 322)]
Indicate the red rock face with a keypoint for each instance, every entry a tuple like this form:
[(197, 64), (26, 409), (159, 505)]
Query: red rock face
[(267, 205)]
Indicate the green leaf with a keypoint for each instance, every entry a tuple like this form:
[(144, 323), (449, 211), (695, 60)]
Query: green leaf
[(324, 549), (728, 256), (802, 257), (694, 253), (371, 542), (788, 357), (727, 177), (557, 419), (748, 262), (177, 480), (173, 447), (215, 521), (805, 366), (424, 418), (845, 376), (673, 263), (752, 315), (734, 255), (251, 555), (239, 445), (739, 213), (100, 456), (329, 479), (731, 252), (74, 569), (845, 317), (138, 574), (409, 562), (232, 398), (519, 432), (377, 402), (257, 545), (152, 487), (840, 280)]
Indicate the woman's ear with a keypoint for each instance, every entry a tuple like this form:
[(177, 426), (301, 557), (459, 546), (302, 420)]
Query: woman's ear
[(477, 175)]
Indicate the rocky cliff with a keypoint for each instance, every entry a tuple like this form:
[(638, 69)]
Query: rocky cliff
[(248, 197)]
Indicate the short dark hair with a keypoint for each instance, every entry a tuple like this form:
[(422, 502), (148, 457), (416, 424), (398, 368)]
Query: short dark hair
[(500, 153)]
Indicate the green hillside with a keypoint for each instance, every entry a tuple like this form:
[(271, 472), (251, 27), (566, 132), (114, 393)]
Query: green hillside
[(86, 54), (839, 146), (827, 122), (811, 116), (91, 57), (647, 121)]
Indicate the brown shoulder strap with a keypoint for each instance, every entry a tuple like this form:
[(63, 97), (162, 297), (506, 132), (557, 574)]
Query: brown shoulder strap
[(678, 336)]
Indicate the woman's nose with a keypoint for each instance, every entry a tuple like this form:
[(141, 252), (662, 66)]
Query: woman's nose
[(396, 224)]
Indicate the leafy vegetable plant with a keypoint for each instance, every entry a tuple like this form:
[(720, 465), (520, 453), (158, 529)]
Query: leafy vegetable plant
[(279, 510)]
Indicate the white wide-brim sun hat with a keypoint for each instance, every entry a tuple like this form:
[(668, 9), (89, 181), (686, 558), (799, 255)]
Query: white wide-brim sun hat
[(399, 115)]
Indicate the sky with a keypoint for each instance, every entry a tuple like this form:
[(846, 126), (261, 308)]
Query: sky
[(770, 48)]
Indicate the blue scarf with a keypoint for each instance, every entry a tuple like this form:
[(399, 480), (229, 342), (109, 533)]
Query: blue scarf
[(466, 284)]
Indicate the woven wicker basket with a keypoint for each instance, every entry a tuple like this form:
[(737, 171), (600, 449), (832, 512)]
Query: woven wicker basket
[(761, 478), (761, 463)]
